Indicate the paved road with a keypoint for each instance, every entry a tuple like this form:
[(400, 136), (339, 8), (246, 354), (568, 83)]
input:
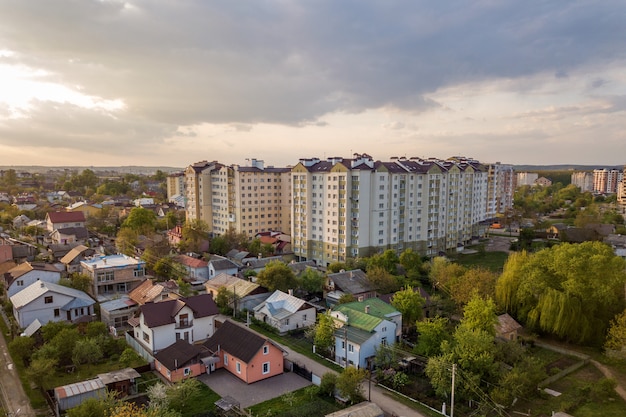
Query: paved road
[(14, 399)]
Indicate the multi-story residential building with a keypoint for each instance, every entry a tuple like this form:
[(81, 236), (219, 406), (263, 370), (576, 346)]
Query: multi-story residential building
[(605, 181), (500, 188), (113, 275), (250, 199), (621, 193), (525, 178), (583, 180), (355, 207), (175, 184)]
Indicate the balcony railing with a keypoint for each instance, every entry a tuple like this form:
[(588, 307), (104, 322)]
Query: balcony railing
[(184, 324)]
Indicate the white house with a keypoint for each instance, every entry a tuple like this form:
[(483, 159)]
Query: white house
[(285, 312), (24, 274), (158, 325), (197, 269), (220, 265), (45, 301), (364, 326)]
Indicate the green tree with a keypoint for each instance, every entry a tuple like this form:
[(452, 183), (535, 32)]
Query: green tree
[(311, 281), (382, 280), (86, 351), (443, 273), (328, 384), (346, 298), (277, 276), (195, 232), (41, 370), (519, 382), (129, 357), (10, 177), (412, 263), (95, 407), (96, 329), (349, 384), (142, 221), (181, 393), (572, 291), (64, 343), (388, 260), (324, 338), (616, 336), (431, 333), (474, 280), (480, 314), (126, 241), (78, 281), (22, 347), (409, 303)]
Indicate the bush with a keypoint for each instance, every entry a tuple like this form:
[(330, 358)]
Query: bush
[(327, 384)]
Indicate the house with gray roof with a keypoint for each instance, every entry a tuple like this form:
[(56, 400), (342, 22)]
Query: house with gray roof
[(285, 312), (221, 265), (46, 301), (353, 282)]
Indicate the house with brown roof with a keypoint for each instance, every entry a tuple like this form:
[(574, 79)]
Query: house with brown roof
[(244, 353), (72, 259), (246, 293), (64, 219), (21, 276), (507, 328), (197, 270), (158, 325), (181, 360)]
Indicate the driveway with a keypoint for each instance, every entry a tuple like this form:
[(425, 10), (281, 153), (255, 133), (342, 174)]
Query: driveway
[(224, 383)]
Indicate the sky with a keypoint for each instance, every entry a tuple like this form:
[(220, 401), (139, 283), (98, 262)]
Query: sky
[(170, 83)]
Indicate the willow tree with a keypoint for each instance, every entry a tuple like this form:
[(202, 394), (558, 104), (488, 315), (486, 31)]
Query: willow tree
[(570, 290)]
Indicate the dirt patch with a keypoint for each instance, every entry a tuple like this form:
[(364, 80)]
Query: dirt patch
[(560, 364)]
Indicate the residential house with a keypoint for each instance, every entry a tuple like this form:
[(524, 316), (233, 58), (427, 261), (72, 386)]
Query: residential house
[(543, 182), (64, 219), (245, 354), (57, 196), (20, 221), (363, 327), (220, 265), (87, 209), (617, 242), (180, 360), (285, 312), (23, 275), (175, 235), (150, 291), (247, 294), (280, 242), (259, 264), (299, 267), (507, 328), (197, 270), (112, 275), (353, 282), (47, 302), (68, 235), (116, 313), (158, 325), (72, 259)]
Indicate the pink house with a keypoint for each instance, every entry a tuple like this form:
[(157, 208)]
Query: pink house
[(180, 360), (245, 354)]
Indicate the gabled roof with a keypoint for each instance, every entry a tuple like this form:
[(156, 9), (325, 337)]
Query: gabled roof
[(39, 288), (240, 286), (179, 354), (359, 319), (66, 216), (351, 282), (73, 254), (237, 341), (164, 312), (190, 261), (507, 324), (146, 292), (374, 307), (281, 305), (219, 263), (26, 267), (79, 232), (299, 267)]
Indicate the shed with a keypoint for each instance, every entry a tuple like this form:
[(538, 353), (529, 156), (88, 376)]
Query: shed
[(507, 328), (72, 395)]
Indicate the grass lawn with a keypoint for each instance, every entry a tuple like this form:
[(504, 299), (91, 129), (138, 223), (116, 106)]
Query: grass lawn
[(580, 397), (202, 402), (301, 403), (493, 261)]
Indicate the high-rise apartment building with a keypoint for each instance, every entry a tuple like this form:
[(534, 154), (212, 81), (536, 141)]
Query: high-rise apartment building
[(175, 184), (500, 188), (526, 178), (249, 199), (605, 181), (621, 193), (583, 180), (345, 208)]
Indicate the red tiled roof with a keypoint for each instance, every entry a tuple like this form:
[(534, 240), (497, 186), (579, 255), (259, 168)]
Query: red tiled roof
[(66, 216), (191, 262)]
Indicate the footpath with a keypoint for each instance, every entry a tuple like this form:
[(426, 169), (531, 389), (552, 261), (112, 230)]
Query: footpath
[(14, 399)]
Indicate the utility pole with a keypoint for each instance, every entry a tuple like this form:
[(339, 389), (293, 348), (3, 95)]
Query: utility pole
[(452, 397)]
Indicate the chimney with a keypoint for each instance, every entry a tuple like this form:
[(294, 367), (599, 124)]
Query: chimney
[(290, 292), (260, 255), (367, 309), (351, 275)]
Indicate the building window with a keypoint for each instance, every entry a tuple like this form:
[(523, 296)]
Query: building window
[(57, 312), (238, 365), (139, 272), (146, 337), (48, 299), (266, 368), (266, 350), (350, 347), (19, 282), (225, 360), (105, 276), (187, 372)]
